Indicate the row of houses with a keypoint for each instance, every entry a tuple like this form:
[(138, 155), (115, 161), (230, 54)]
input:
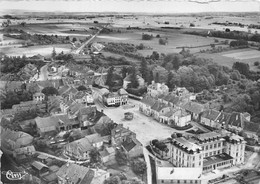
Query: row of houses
[(120, 137), (175, 108)]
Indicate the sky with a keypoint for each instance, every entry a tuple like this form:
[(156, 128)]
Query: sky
[(147, 6)]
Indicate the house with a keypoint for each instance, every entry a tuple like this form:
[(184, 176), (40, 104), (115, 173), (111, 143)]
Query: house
[(108, 154), (30, 105), (194, 108), (86, 114), (158, 109), (168, 175), (81, 148), (222, 120), (237, 121), (53, 104), (115, 98), (127, 80), (76, 174), (12, 140), (55, 123), (156, 89), (40, 168), (14, 86), (177, 117), (83, 97), (73, 173), (38, 97), (96, 47), (132, 147), (146, 105), (120, 134), (170, 99), (22, 152), (209, 118)]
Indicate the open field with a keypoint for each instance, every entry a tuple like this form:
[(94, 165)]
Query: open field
[(59, 29), (251, 54), (44, 50), (228, 58), (175, 39)]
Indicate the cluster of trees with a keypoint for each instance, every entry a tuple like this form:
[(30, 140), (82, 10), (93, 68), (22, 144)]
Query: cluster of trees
[(14, 64), (11, 98), (39, 38), (113, 80), (163, 41), (117, 61), (128, 50), (121, 157), (238, 43), (49, 91), (228, 34), (147, 36)]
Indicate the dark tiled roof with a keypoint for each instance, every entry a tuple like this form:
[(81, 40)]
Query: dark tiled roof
[(128, 145), (38, 165), (148, 101), (223, 118), (158, 106), (194, 107), (76, 174), (210, 114), (237, 119)]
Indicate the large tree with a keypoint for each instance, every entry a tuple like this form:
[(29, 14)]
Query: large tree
[(121, 157), (133, 79), (94, 156), (48, 91), (243, 68), (109, 81), (144, 70)]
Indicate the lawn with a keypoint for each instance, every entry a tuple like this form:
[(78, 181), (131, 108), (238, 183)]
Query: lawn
[(228, 58)]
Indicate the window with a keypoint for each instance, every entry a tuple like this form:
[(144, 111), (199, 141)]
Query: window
[(219, 144), (171, 181), (206, 154), (162, 181), (185, 181), (215, 145), (196, 181), (210, 146), (207, 147), (178, 181)]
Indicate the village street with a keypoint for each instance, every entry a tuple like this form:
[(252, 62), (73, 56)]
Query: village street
[(145, 127), (43, 73)]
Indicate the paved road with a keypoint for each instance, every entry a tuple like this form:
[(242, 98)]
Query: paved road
[(43, 73), (77, 51), (61, 159)]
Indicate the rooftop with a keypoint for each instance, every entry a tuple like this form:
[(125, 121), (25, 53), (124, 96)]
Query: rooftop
[(74, 173), (216, 159), (208, 135), (186, 144), (178, 173), (193, 107), (210, 114)]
